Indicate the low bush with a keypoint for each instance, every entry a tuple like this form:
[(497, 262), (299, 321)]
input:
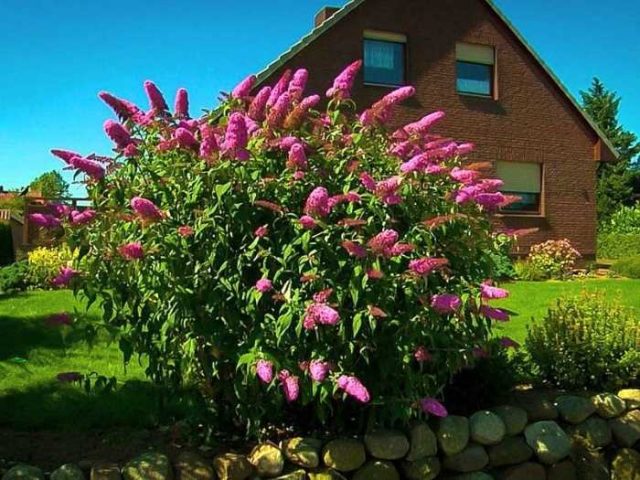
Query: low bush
[(504, 267), (525, 270), (618, 245), (14, 277), (586, 342), (554, 258), (626, 220), (6, 245), (627, 267), (45, 262)]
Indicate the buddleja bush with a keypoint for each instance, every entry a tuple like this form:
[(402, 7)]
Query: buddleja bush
[(273, 254)]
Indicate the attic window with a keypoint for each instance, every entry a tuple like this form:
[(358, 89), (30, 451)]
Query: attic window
[(384, 58), (475, 69)]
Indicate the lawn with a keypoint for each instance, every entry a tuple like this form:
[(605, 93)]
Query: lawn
[(533, 299), (33, 353)]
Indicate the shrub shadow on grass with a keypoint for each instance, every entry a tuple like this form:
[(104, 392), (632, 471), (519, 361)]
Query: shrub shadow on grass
[(20, 335), (57, 406)]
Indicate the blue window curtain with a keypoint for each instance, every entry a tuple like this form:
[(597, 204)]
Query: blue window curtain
[(474, 78), (383, 62)]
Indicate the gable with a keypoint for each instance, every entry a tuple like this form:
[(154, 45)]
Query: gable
[(603, 149)]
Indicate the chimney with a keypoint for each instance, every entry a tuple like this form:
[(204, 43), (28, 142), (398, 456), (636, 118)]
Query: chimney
[(324, 14)]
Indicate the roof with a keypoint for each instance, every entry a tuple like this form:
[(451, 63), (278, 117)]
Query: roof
[(353, 4)]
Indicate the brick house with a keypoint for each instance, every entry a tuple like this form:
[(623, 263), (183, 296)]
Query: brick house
[(464, 57)]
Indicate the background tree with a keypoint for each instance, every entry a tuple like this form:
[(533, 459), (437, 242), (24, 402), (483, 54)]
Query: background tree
[(615, 180), (51, 185)]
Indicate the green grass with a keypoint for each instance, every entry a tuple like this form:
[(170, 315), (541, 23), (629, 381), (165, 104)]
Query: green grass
[(533, 299), (32, 354)]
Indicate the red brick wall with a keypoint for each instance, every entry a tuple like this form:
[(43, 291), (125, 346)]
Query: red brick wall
[(530, 121)]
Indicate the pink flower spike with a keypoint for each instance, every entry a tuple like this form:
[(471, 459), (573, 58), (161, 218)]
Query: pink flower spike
[(258, 105), (264, 370), (124, 109), (82, 218), (290, 385), (64, 277), (279, 88), (324, 314), (243, 89), (489, 292), (91, 168), (116, 132), (343, 83), (156, 99), (65, 155), (264, 285), (278, 112), (181, 104), (375, 274), (307, 222), (319, 370), (383, 242), (317, 203), (507, 342), (445, 303), (185, 231), (132, 251), (44, 220), (424, 124), (354, 388), (433, 407), (354, 249), (425, 266), (236, 137), (298, 83), (185, 139), (465, 177), (146, 209), (261, 231), (297, 158), (496, 314), (422, 355)]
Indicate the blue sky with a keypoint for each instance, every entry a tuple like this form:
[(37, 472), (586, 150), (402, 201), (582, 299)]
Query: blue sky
[(57, 54)]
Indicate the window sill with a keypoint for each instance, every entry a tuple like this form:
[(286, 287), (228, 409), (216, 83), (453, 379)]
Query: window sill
[(382, 85), (520, 215), (477, 95)]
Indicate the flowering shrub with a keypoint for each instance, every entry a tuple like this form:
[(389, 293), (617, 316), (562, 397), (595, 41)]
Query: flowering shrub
[(553, 258), (45, 262), (587, 342), (275, 255)]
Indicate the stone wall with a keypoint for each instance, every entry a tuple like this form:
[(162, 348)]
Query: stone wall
[(536, 437)]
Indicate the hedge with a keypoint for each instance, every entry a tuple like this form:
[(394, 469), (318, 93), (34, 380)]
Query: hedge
[(618, 245), (627, 267)]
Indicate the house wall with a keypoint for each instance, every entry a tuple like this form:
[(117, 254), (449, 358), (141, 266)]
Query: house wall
[(531, 121)]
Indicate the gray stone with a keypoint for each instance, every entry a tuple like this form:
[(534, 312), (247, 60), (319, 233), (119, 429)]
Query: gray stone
[(426, 468), (539, 406), (594, 430), (626, 465), (609, 405), (631, 396), (327, 474), (68, 471), (565, 470), (453, 434), (299, 474), (23, 472), (267, 460), (148, 466), (514, 418), (626, 429), (105, 471), (344, 454), (550, 443), (386, 444), (511, 451), (191, 466), (231, 466), (473, 476), (304, 452), (423, 443), (525, 471), (380, 470), (574, 409), (472, 458), (486, 428), (590, 462)]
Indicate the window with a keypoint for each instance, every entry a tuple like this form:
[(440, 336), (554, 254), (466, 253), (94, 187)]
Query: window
[(384, 58), (475, 69), (525, 181)]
